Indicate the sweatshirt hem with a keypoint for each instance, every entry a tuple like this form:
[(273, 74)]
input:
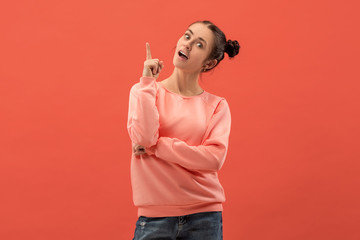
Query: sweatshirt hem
[(170, 211)]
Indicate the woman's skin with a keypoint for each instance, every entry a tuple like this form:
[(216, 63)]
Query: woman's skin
[(196, 44)]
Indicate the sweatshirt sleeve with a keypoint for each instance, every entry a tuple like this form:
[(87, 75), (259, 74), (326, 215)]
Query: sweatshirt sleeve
[(210, 155), (143, 115)]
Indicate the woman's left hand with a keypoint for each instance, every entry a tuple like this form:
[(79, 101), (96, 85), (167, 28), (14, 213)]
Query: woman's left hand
[(138, 149)]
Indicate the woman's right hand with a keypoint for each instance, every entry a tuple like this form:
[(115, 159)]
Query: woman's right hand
[(152, 67)]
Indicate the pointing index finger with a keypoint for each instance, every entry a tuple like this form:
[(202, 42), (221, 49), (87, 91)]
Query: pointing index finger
[(148, 52)]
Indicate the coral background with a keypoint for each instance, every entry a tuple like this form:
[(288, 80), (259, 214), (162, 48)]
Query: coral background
[(66, 68)]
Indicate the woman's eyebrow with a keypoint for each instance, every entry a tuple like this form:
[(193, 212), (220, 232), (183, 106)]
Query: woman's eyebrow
[(199, 37)]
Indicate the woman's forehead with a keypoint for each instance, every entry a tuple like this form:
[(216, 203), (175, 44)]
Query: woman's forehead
[(199, 27), (200, 30)]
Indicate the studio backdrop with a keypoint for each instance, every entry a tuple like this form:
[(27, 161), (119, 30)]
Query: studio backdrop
[(66, 69)]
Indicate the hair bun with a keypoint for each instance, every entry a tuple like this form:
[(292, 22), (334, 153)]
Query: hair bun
[(232, 48)]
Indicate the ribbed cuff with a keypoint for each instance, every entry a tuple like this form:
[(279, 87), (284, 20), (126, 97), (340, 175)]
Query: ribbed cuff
[(146, 80), (150, 150)]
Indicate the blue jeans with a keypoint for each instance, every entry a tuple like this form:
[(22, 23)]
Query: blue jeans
[(198, 226)]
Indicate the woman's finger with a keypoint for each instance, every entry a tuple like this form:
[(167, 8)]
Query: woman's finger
[(136, 146), (148, 52), (139, 147), (137, 152), (152, 67), (155, 69)]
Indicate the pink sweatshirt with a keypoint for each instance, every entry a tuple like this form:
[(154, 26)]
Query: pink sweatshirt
[(186, 138)]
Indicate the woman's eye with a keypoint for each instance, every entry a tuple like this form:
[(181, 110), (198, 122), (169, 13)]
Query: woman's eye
[(187, 36), (199, 45)]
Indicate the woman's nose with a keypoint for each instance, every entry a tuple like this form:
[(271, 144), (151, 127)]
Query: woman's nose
[(188, 46)]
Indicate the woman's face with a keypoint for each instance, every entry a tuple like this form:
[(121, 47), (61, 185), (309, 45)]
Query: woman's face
[(193, 49)]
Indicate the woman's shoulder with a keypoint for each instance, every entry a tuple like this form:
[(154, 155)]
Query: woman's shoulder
[(213, 99)]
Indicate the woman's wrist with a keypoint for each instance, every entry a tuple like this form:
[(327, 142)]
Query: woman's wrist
[(150, 150)]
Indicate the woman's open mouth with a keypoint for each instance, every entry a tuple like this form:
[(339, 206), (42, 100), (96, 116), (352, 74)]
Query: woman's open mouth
[(183, 55)]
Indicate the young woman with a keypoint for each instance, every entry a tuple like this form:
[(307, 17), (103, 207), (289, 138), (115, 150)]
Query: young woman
[(179, 134)]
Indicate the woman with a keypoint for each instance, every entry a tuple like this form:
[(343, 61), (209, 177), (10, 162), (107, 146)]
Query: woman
[(180, 137)]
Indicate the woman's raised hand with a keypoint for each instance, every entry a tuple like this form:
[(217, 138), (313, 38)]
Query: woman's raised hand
[(152, 67)]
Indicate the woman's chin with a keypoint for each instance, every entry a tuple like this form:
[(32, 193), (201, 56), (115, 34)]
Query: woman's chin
[(182, 66), (179, 65)]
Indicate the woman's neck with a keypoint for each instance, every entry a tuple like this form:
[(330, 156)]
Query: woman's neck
[(184, 83)]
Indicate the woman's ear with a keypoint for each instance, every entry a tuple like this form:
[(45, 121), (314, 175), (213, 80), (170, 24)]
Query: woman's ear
[(210, 64)]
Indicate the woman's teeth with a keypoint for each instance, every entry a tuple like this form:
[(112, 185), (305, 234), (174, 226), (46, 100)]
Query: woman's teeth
[(181, 54)]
